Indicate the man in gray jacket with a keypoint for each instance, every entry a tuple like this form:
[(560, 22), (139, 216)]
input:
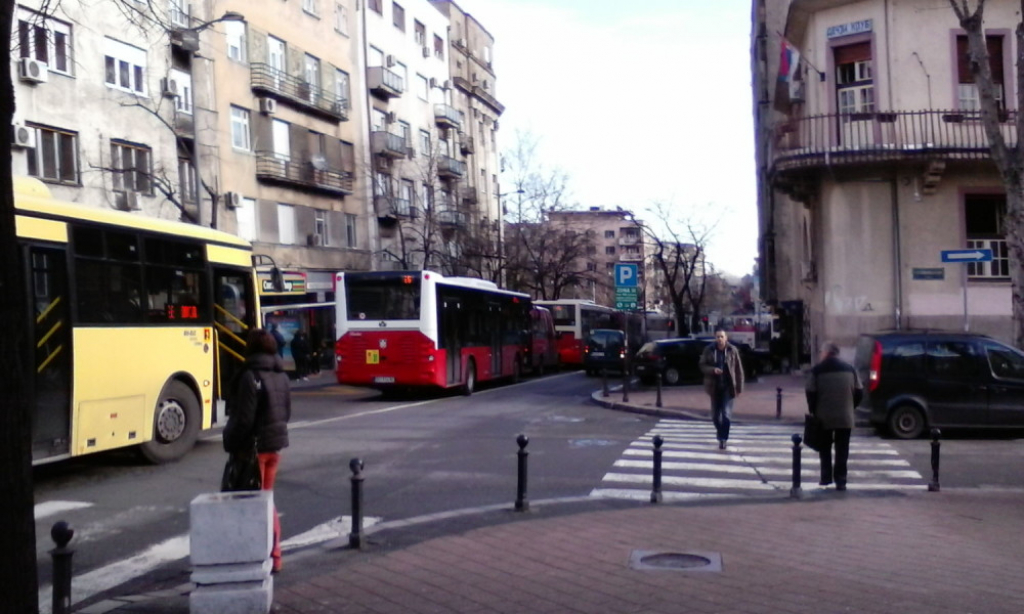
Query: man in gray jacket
[(833, 390)]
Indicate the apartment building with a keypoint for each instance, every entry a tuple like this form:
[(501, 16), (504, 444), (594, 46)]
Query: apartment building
[(872, 161)]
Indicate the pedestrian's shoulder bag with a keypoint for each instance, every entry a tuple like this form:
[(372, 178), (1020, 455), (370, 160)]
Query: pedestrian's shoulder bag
[(814, 435), (242, 470)]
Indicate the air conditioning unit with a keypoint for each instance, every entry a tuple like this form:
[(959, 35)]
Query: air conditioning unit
[(268, 106), (314, 240), (232, 200), (130, 201), (32, 70), (426, 52), (169, 87), (389, 61), (433, 82), (461, 42), (23, 136)]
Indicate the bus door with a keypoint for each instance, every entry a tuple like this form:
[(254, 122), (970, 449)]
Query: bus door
[(234, 314), (495, 327), (51, 341), (452, 334)]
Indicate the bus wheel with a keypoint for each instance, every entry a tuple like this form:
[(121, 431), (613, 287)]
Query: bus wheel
[(470, 385), (175, 425)]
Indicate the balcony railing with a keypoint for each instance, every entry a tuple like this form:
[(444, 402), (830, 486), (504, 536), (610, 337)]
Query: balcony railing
[(447, 116), (450, 168), (384, 82), (872, 137), (184, 124), (470, 195), (390, 206), (388, 144), (287, 88), (631, 257), (298, 172), (629, 241), (451, 217)]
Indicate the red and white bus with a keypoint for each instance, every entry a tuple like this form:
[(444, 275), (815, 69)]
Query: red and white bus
[(419, 328), (574, 319)]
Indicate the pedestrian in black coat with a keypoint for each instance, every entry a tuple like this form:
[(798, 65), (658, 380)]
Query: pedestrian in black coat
[(300, 354)]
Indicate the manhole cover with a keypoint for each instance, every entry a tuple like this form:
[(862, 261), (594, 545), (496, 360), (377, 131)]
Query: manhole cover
[(652, 560)]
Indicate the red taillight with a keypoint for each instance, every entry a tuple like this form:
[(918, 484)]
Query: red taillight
[(875, 368)]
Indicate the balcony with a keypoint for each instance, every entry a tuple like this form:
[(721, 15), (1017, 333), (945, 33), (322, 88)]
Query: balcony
[(384, 83), (388, 144), (447, 116), (269, 81), (837, 139), (470, 195), (475, 90), (466, 145), (184, 124), (631, 257), (450, 168), (302, 173), (389, 207), (629, 241), (451, 218)]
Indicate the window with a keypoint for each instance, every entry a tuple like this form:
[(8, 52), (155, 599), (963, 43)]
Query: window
[(183, 99), (281, 132), (377, 6), (984, 228), (609, 234), (375, 57), (177, 12), (968, 98), (234, 32), (285, 224), (382, 184), (422, 87), (186, 180), (398, 16), (130, 165), (246, 214), (609, 266), (312, 66), (425, 143), (406, 132), (610, 250), (420, 33), (55, 157), (341, 87), (438, 47), (125, 67), (341, 18), (320, 228), (45, 39), (240, 129), (428, 197), (591, 250), (350, 230), (309, 6), (855, 90)]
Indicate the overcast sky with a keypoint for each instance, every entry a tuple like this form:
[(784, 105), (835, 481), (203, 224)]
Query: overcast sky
[(638, 102)]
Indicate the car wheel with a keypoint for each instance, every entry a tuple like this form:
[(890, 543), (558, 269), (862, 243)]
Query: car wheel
[(175, 425), (906, 422), (470, 385), (671, 376)]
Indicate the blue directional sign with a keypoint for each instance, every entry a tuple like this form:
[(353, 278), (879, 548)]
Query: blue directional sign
[(967, 255), (626, 275)]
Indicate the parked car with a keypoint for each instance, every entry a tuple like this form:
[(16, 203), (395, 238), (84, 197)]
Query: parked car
[(916, 380), (678, 361), (605, 348)]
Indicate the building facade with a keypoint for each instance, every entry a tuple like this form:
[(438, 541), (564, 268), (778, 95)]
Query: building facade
[(871, 162)]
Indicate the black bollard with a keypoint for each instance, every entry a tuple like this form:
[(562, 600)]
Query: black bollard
[(656, 490), (657, 382), (625, 382), (934, 485), (778, 403), (355, 538), (604, 382), (796, 492), (522, 502), (61, 534)]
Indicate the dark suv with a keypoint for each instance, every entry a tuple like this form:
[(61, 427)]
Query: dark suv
[(678, 361), (916, 380), (605, 348)]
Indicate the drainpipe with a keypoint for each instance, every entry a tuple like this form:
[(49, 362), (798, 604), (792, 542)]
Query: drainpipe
[(897, 259), (372, 230)]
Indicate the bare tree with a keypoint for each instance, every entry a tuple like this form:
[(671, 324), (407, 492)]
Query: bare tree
[(1007, 157)]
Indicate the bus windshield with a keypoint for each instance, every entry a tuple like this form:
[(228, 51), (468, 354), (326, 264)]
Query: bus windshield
[(563, 315), (383, 299)]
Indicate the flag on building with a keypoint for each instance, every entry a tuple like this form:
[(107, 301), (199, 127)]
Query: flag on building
[(789, 74)]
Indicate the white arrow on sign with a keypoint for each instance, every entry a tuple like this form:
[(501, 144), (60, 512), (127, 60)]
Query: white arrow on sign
[(966, 256)]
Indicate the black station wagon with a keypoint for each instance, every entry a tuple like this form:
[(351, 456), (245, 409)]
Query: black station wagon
[(917, 380)]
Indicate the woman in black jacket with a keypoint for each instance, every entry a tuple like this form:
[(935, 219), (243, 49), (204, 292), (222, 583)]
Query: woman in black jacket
[(261, 406)]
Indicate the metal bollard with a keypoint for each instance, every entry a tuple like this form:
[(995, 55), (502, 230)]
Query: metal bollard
[(61, 534), (355, 538), (656, 490), (522, 502), (625, 382), (657, 382), (795, 492), (604, 382), (778, 403), (933, 486)]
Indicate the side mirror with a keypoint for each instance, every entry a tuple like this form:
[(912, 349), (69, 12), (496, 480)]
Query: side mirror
[(277, 279)]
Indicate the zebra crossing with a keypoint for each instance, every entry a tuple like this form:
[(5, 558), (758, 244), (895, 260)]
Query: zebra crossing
[(758, 461)]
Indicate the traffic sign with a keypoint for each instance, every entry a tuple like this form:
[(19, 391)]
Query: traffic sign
[(967, 255), (625, 298), (626, 275)]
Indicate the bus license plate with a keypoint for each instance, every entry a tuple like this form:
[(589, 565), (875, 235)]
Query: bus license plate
[(372, 357), (383, 379)]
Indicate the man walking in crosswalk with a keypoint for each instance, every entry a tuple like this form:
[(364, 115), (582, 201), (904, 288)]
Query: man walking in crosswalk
[(833, 390), (723, 381)]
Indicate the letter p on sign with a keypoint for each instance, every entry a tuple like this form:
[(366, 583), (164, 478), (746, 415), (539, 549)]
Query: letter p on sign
[(626, 275)]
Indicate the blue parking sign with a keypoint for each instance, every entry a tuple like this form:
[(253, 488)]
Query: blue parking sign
[(626, 275)]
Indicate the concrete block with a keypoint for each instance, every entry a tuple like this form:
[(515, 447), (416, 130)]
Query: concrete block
[(235, 572), (231, 527), (235, 598)]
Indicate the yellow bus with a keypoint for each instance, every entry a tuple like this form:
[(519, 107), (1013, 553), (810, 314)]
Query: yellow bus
[(137, 325)]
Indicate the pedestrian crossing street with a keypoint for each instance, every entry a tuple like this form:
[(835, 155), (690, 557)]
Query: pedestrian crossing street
[(758, 461)]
